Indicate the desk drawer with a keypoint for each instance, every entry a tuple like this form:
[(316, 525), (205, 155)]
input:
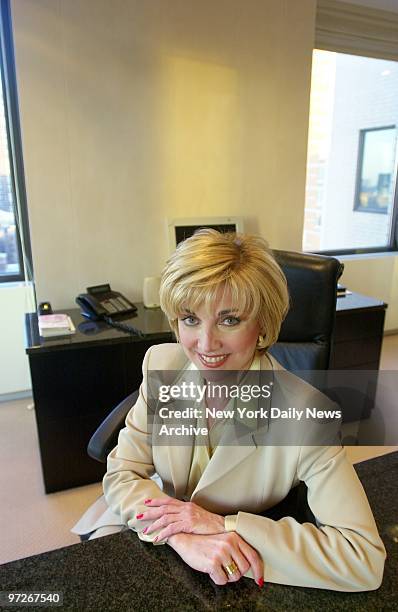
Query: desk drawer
[(360, 324), (63, 451), (353, 353)]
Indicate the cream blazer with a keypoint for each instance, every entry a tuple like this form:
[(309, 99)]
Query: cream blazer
[(343, 552)]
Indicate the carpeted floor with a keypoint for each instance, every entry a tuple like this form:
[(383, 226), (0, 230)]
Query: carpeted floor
[(32, 522)]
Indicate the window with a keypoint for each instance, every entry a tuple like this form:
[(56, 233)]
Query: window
[(376, 158), (352, 158), (15, 253)]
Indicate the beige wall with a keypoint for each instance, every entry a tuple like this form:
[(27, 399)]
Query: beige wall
[(135, 111)]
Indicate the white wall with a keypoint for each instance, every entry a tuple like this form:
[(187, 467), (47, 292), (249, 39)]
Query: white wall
[(377, 277), (136, 111), (15, 300)]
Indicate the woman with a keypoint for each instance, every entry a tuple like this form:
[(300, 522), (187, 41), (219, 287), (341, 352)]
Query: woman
[(225, 298)]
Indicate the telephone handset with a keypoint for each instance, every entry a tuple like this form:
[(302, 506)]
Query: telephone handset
[(100, 302)]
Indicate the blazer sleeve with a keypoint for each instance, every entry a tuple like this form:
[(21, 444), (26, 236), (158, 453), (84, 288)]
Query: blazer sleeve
[(127, 482), (344, 552)]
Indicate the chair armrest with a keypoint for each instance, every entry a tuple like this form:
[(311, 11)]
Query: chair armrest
[(105, 438)]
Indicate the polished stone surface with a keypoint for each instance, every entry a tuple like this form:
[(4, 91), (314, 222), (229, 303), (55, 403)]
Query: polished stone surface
[(119, 572)]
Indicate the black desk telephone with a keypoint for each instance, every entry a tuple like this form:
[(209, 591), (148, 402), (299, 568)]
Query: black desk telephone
[(100, 302)]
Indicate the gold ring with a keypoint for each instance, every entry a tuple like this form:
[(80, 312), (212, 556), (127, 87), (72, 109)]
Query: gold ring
[(231, 568)]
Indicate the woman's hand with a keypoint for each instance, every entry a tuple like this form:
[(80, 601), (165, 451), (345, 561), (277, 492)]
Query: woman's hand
[(174, 516), (212, 553)]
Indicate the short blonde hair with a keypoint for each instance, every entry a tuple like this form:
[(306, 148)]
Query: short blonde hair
[(240, 264)]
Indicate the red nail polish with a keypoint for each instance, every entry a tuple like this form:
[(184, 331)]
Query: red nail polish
[(145, 530), (261, 583), (147, 501), (139, 516)]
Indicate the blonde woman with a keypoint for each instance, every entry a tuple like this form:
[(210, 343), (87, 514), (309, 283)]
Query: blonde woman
[(225, 298)]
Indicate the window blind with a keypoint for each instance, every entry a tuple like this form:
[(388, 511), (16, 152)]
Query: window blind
[(358, 30)]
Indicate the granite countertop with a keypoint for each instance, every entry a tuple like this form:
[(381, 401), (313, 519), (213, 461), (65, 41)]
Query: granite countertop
[(119, 572)]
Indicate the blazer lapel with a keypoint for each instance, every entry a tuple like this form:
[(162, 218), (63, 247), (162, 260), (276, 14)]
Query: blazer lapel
[(176, 450), (225, 459), (180, 458)]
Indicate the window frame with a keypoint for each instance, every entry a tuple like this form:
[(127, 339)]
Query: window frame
[(14, 144)]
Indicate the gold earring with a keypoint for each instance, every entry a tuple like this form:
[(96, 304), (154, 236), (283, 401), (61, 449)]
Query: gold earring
[(260, 342)]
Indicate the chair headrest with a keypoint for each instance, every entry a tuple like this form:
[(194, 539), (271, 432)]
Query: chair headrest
[(304, 341), (312, 281)]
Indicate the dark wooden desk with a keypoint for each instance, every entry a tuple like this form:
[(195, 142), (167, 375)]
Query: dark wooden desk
[(358, 334), (121, 573), (76, 381), (358, 339)]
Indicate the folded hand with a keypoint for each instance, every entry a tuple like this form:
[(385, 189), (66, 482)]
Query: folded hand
[(213, 553), (174, 516)]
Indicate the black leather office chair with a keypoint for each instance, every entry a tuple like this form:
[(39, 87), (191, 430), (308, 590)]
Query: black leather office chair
[(305, 339), (304, 342)]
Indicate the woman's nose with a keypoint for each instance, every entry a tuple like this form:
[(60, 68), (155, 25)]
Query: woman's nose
[(208, 341)]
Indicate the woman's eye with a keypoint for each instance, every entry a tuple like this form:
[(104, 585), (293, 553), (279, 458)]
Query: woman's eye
[(190, 320), (231, 321)]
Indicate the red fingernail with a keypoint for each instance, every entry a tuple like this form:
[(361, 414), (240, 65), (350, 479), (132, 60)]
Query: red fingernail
[(147, 501), (145, 530), (139, 516), (261, 583)]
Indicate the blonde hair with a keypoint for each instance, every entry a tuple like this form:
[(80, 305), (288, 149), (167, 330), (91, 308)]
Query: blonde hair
[(239, 264)]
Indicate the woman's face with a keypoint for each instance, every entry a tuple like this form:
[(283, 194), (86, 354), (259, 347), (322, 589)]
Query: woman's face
[(218, 338)]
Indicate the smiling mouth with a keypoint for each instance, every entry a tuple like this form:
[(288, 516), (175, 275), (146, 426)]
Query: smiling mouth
[(212, 362)]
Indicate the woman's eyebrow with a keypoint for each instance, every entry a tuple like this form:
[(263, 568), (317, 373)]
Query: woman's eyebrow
[(228, 311), (220, 314)]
